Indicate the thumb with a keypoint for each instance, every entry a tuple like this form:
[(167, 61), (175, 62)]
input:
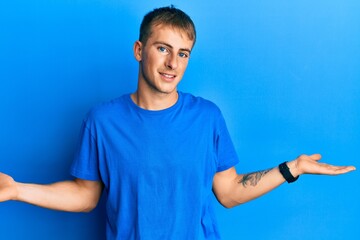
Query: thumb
[(315, 156)]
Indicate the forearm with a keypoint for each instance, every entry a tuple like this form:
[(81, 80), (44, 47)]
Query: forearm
[(257, 184), (246, 187), (253, 185), (69, 196)]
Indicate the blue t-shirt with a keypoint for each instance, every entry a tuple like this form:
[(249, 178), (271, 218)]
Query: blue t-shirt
[(157, 166)]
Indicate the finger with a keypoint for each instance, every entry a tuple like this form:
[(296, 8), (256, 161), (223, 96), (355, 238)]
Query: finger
[(342, 170), (336, 170), (315, 156)]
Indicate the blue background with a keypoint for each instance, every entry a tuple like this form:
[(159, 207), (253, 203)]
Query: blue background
[(285, 74)]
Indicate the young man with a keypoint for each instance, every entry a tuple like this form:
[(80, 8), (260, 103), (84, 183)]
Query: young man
[(159, 153)]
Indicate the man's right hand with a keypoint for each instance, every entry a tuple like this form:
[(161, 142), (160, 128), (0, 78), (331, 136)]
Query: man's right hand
[(8, 190)]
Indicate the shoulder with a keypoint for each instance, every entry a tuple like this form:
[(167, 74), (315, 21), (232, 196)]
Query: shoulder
[(106, 110), (199, 104)]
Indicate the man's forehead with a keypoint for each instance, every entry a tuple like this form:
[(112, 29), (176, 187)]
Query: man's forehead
[(160, 28)]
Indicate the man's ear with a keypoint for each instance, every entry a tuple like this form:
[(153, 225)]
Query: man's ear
[(138, 50)]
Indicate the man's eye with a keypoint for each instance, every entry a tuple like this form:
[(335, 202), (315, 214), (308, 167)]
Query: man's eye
[(183, 55), (162, 49)]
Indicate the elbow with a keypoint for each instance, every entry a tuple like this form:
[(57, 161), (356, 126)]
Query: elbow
[(86, 207), (228, 202), (228, 205), (89, 193), (89, 207), (85, 210)]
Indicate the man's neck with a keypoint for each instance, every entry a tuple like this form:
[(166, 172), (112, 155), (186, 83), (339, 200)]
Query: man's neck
[(154, 101)]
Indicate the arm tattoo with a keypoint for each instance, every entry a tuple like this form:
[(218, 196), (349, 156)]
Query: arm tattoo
[(252, 179)]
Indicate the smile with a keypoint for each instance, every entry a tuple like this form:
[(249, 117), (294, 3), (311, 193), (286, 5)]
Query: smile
[(169, 76)]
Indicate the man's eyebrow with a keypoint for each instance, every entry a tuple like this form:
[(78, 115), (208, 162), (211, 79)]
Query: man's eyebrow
[(169, 46)]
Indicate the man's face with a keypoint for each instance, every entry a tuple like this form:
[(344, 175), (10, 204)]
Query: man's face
[(163, 59)]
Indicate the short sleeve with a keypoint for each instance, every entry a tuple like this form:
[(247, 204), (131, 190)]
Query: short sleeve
[(225, 150), (86, 163)]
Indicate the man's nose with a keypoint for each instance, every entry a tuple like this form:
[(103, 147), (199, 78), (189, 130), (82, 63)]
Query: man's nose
[(172, 61)]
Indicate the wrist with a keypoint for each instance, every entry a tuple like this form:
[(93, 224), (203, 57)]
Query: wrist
[(16, 191), (289, 176), (293, 168)]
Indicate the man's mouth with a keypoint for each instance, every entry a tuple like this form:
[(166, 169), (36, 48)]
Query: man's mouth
[(168, 76)]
